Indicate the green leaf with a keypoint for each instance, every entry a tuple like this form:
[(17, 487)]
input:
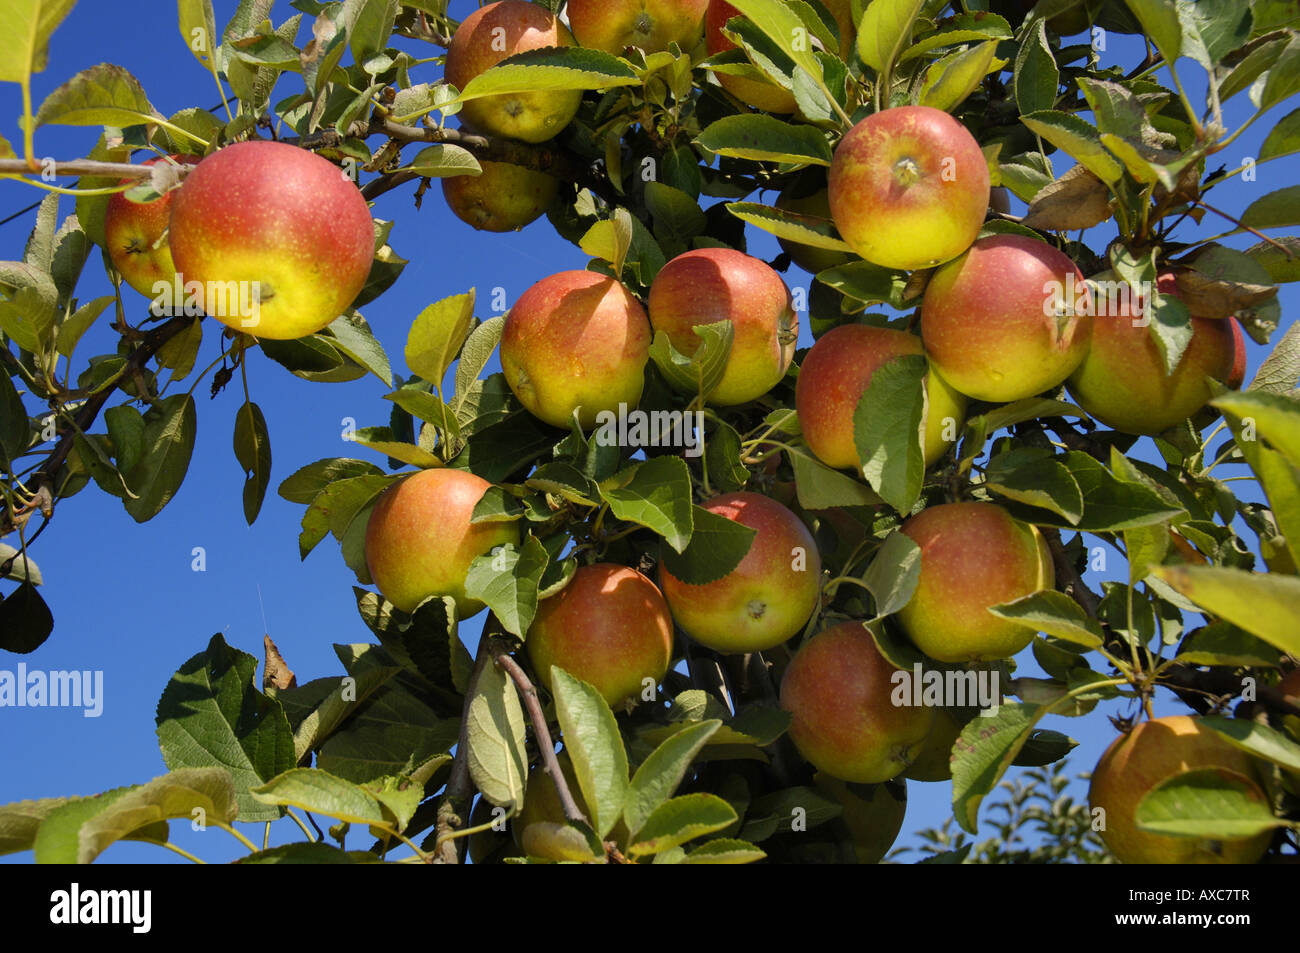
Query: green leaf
[(1213, 28), (475, 354), (333, 509), (443, 160), (1036, 75), (168, 442), (369, 671), (178, 354), (551, 69), (1283, 139), (884, 32), (25, 620), (893, 574), (58, 839), (15, 427), (681, 819), (780, 24), (660, 774), (725, 851), (24, 42), (496, 737), (253, 451), (658, 496), (1159, 20), (353, 336), (307, 482), (437, 334), (1281, 264), (961, 29), (677, 216), (982, 754), (210, 715), (507, 581), (950, 80), (701, 372), (1209, 805), (1277, 209), (592, 739), (717, 547), (1276, 418), (1077, 139), (1055, 614), (103, 95), (1036, 480), (1221, 643), (819, 487), (804, 229), (198, 28), (381, 439), (1109, 503), (321, 793), (1265, 604), (865, 282), (23, 568), (369, 27), (762, 138), (304, 852), (887, 431), (610, 239)]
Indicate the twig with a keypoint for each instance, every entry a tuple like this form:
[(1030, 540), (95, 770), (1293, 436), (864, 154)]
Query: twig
[(78, 167)]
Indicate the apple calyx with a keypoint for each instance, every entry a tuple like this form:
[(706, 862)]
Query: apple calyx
[(756, 608), (644, 24), (907, 171)]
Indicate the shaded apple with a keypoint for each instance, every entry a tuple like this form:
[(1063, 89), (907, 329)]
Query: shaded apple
[(873, 814), (835, 374), (973, 556), (279, 219), (768, 597), (990, 324), (503, 198), (491, 845), (420, 541), (837, 689), (909, 187), (491, 34), (934, 760), (610, 627), (649, 25), (762, 94), (1154, 751), (1122, 381), (541, 800), (708, 285), (575, 341), (135, 234)]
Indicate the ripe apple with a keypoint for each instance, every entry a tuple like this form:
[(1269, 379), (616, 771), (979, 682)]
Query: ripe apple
[(282, 219), (973, 556), (503, 198), (909, 187), (575, 341), (1122, 382), (764, 600), (934, 761), (873, 814), (135, 234), (491, 34), (1153, 752), (420, 541), (760, 93), (708, 285), (809, 257), (649, 25), (836, 373), (541, 800), (609, 627), (837, 690), (989, 323)]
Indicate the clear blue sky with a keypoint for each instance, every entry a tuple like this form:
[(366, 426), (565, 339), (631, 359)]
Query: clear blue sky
[(124, 596)]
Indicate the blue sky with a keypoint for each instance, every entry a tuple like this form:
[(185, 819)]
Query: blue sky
[(125, 596)]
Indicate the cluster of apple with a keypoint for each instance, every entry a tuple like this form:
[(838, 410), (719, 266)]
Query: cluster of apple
[(268, 216)]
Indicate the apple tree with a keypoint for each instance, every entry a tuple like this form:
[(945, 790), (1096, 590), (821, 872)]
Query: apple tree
[(671, 563)]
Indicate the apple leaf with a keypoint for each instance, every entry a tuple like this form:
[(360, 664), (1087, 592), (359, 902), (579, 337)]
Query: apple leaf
[(657, 496), (369, 27), (893, 573), (776, 811), (1265, 604), (15, 426), (443, 160), (865, 282), (496, 739), (1274, 210), (700, 372), (333, 508), (507, 579), (198, 28), (168, 442), (724, 851), (25, 620), (382, 440), (960, 30), (21, 566), (950, 80), (352, 335), (717, 546), (322, 793), (677, 216), (595, 747), (103, 95), (1276, 418), (253, 451), (1055, 614), (660, 774), (1160, 21), (24, 42), (211, 715), (1077, 139), (304, 852), (437, 334), (762, 138), (1257, 739), (610, 239), (794, 226), (316, 710), (1076, 200), (1222, 643), (1281, 264), (681, 819), (982, 754), (1037, 77), (475, 354), (887, 430), (567, 482), (783, 26), (21, 821), (305, 483), (884, 31), (1109, 503), (1283, 77), (1209, 805), (552, 69), (819, 487), (1036, 480)]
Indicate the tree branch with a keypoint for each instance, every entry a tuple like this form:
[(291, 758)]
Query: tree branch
[(78, 167)]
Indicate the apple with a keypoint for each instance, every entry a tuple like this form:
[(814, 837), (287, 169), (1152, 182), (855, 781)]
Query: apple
[(837, 690), (1122, 381), (934, 761), (768, 597), (909, 187), (973, 556), (835, 374), (285, 221), (490, 845), (989, 319), (809, 257), (576, 341), (708, 285), (541, 800), (491, 34), (1155, 751), (503, 198), (135, 234), (609, 627), (762, 94), (649, 25), (873, 815), (842, 11), (420, 541)]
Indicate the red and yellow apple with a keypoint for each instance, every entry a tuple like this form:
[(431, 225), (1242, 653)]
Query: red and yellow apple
[(1151, 753), (990, 319), (762, 94), (809, 257), (576, 341), (835, 374), (135, 234), (502, 198), (872, 814), (837, 689), (1122, 381), (609, 627), (973, 556), (278, 219), (708, 285), (909, 187), (420, 541), (491, 34), (649, 25), (768, 597)]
